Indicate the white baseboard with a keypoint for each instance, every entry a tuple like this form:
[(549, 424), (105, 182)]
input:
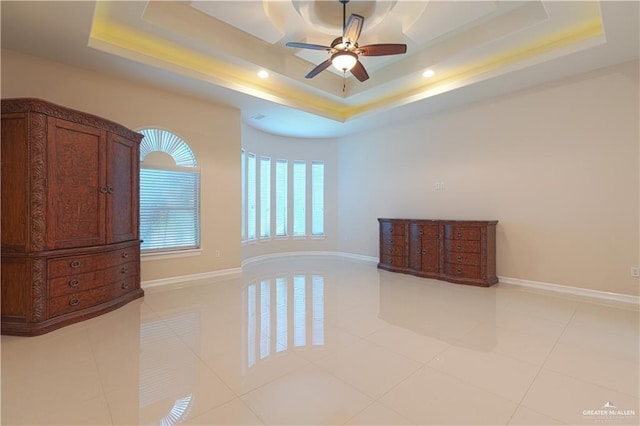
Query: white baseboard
[(352, 256), (225, 273), (557, 288), (574, 291)]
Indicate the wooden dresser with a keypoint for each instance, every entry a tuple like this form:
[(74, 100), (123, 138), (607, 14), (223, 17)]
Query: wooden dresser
[(70, 242), (452, 250)]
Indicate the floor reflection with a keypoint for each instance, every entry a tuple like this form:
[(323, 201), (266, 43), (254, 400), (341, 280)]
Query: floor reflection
[(316, 340), (282, 313)]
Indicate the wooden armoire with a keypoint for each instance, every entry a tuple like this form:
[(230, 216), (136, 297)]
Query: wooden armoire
[(70, 241)]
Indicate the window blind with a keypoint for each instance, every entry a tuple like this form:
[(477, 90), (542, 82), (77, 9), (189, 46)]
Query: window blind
[(251, 196), (243, 171), (299, 197), (169, 209), (265, 197), (317, 198), (281, 197)]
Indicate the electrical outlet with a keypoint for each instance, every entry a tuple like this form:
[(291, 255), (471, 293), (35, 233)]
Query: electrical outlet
[(635, 272)]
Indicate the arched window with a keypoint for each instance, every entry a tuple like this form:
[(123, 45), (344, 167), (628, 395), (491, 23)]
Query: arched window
[(169, 193)]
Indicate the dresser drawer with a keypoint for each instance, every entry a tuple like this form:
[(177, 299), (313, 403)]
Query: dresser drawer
[(74, 265), (393, 250), (462, 233), (399, 261), (463, 258), (463, 246), (392, 240), (81, 282), (86, 299), (462, 271), (392, 229)]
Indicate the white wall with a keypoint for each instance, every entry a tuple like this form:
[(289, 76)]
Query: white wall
[(212, 131), (557, 165), (279, 147)]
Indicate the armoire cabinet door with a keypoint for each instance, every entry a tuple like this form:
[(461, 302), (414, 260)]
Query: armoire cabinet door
[(122, 187), (76, 174)]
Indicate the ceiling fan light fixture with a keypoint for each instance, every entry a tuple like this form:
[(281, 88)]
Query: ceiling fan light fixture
[(344, 60)]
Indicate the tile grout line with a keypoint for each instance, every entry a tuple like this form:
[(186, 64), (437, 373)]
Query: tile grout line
[(541, 367)]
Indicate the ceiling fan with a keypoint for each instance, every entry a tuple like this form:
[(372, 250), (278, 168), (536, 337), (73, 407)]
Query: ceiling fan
[(344, 50)]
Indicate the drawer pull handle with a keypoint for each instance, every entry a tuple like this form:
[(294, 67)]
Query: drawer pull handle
[(459, 271), (103, 189), (459, 246), (74, 283), (124, 270), (459, 258), (459, 234), (74, 302), (418, 251), (424, 251), (109, 189), (125, 285), (75, 264), (125, 254)]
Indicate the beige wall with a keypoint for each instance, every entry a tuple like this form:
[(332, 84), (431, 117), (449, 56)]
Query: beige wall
[(279, 147), (557, 165), (212, 131)]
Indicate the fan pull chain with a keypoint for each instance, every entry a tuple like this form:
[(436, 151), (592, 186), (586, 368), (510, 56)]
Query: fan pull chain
[(344, 81)]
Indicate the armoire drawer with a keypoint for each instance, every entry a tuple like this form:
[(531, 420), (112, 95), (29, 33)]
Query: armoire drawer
[(85, 299), (463, 258), (73, 265), (87, 281)]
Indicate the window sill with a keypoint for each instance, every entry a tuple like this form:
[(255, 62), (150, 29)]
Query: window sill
[(170, 254)]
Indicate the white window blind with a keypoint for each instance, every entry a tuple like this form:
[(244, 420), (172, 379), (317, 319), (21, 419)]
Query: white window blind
[(251, 196), (265, 197), (281, 197), (243, 178), (169, 209), (299, 198), (317, 198), (169, 193)]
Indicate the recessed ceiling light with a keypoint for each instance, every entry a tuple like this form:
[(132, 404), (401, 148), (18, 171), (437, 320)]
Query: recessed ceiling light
[(263, 74), (428, 73)]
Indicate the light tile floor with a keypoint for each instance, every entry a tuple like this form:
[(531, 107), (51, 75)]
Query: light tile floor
[(322, 340)]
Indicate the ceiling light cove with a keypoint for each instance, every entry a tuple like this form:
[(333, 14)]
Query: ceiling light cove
[(226, 47)]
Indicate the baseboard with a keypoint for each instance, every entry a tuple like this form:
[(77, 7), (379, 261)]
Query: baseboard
[(574, 291), (225, 273), (352, 256), (603, 296)]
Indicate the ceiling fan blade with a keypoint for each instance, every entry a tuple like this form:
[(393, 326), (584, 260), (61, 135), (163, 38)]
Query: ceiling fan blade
[(382, 49), (308, 46), (323, 66), (359, 72), (352, 29)]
